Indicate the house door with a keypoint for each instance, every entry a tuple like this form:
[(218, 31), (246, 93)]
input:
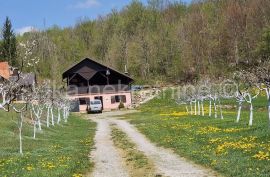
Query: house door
[(101, 99), (84, 102)]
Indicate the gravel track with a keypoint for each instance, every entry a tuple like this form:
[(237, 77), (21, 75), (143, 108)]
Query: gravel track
[(108, 162)]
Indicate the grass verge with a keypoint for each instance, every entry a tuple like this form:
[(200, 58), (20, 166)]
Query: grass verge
[(136, 162), (232, 149), (61, 150)]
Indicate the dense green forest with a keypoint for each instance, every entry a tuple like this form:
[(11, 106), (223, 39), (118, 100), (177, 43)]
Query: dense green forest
[(163, 41)]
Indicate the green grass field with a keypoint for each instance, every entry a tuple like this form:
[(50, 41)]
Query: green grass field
[(229, 148), (57, 151)]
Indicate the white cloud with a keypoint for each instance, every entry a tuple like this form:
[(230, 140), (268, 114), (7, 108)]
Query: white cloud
[(25, 29), (87, 4)]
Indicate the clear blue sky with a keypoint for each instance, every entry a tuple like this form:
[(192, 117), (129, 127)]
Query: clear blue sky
[(32, 13)]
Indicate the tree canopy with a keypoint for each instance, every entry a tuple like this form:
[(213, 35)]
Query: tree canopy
[(8, 43), (165, 41)]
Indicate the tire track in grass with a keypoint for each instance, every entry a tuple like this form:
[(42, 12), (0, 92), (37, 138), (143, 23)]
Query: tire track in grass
[(136, 162)]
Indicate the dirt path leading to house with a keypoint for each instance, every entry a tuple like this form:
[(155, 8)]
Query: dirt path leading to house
[(108, 162), (165, 161)]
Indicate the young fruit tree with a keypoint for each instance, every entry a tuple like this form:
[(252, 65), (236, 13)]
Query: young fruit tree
[(263, 74), (13, 89), (10, 91), (248, 89), (215, 96), (183, 99), (37, 105), (203, 94), (49, 103), (239, 94), (189, 92)]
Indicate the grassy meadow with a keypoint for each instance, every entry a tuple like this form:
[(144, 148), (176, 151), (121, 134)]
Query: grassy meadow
[(61, 150), (230, 148)]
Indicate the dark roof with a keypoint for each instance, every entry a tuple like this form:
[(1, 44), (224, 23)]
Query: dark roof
[(87, 68), (26, 79)]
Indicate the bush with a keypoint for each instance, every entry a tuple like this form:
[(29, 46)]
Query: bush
[(121, 105)]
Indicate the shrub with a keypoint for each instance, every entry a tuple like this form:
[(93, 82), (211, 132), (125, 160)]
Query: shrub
[(121, 105)]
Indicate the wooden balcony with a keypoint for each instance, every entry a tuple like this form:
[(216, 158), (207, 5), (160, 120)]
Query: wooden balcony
[(97, 89)]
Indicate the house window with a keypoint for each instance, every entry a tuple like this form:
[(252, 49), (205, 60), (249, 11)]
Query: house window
[(118, 99), (84, 101)]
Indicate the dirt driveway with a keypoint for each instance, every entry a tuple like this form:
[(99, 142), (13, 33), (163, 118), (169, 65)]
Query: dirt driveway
[(109, 164)]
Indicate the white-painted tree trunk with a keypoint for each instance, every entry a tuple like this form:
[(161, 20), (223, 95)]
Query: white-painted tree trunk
[(39, 124), (35, 129), (239, 112), (20, 125), (215, 108), (191, 110), (249, 100), (210, 107), (34, 124), (251, 114), (186, 110), (195, 108), (202, 108), (220, 109), (268, 98), (269, 111), (52, 116), (38, 112), (66, 113), (48, 117), (199, 108), (59, 116)]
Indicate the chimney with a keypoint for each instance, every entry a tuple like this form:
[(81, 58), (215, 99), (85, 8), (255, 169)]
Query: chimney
[(15, 71), (126, 71)]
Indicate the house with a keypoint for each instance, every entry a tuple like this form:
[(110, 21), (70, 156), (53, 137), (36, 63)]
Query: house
[(89, 80), (10, 73), (24, 80)]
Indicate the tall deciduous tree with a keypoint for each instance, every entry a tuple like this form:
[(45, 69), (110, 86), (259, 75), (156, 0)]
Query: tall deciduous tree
[(8, 47), (264, 46), (164, 40)]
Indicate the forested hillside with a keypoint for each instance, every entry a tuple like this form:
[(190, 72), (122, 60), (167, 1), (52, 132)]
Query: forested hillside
[(161, 41)]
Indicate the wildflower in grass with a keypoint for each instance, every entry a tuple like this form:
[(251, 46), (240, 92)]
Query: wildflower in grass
[(179, 126), (51, 166), (214, 162), (215, 140), (30, 167), (168, 139), (48, 165), (262, 155), (220, 149), (77, 175), (233, 130), (240, 145), (178, 114), (208, 129)]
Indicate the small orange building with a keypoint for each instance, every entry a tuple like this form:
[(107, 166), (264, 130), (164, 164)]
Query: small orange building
[(10, 73), (5, 71), (89, 80)]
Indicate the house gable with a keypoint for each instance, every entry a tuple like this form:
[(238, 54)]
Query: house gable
[(94, 72)]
